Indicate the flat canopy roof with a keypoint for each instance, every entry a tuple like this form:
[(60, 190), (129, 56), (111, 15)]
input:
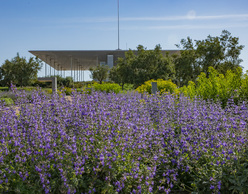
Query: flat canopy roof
[(85, 59)]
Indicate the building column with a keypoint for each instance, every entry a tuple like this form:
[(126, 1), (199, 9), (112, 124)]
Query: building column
[(58, 70), (50, 67), (77, 72), (83, 75), (80, 73), (71, 67), (46, 67), (74, 73), (54, 67), (61, 71)]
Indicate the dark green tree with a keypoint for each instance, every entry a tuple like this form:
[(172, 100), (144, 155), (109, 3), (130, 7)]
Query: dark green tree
[(123, 73), (221, 52), (142, 65), (20, 71), (99, 73), (1, 75)]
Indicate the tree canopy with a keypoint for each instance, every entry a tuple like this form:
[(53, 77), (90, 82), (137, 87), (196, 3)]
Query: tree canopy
[(100, 72), (142, 66), (221, 52), (19, 71)]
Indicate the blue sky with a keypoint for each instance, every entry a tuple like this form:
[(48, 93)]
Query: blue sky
[(92, 24)]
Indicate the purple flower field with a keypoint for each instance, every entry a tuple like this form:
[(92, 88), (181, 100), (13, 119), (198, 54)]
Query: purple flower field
[(122, 143)]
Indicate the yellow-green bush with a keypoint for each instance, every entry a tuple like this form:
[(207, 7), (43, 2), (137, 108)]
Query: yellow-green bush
[(106, 87), (4, 88), (27, 89), (218, 86), (7, 101), (189, 90), (163, 86), (48, 90), (243, 92), (67, 90)]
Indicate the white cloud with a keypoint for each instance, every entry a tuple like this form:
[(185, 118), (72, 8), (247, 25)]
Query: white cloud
[(126, 25), (191, 15), (185, 27)]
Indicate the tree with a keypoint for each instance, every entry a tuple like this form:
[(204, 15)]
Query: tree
[(123, 73), (20, 71), (100, 72), (64, 82), (142, 65), (221, 52)]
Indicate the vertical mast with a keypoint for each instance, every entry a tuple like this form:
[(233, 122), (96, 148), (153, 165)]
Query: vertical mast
[(118, 27)]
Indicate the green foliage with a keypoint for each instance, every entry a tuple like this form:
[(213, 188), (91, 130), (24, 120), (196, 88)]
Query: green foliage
[(163, 86), (128, 87), (99, 73), (65, 82), (106, 87), (8, 94), (78, 85), (48, 90), (189, 90), (87, 83), (120, 73), (4, 88), (234, 177), (27, 88), (61, 82), (243, 91), (6, 101), (219, 87), (67, 90), (221, 52), (19, 71), (142, 65)]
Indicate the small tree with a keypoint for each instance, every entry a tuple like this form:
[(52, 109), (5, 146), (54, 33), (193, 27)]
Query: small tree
[(99, 73), (20, 71), (122, 72)]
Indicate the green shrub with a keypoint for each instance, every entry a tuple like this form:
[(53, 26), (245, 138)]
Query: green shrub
[(78, 85), (128, 87), (67, 90), (189, 90), (7, 101), (218, 86), (243, 90), (4, 88), (164, 86), (28, 89), (8, 94), (48, 90), (106, 87)]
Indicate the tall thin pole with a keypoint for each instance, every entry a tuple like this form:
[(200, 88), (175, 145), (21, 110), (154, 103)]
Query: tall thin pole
[(118, 28)]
